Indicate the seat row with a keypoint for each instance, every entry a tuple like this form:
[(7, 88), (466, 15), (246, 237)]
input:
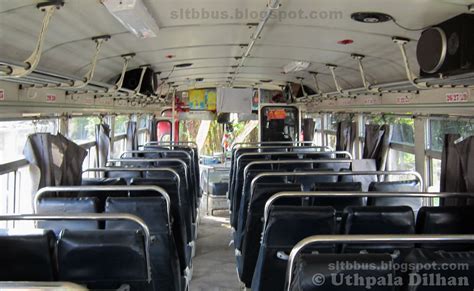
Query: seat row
[(158, 188), (287, 225)]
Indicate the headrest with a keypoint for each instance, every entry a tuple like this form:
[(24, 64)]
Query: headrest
[(101, 255), (338, 186), (339, 203), (287, 225), (127, 175), (263, 192), (170, 186), (152, 210), (68, 206), (379, 220), (396, 186), (446, 220), (27, 256), (309, 180)]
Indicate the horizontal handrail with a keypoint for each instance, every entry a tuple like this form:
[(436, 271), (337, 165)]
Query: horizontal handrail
[(92, 216), (148, 160), (194, 144), (348, 154), (290, 147), (119, 169), (12, 166), (371, 239), (335, 194), (123, 154), (332, 173), (234, 145), (279, 162)]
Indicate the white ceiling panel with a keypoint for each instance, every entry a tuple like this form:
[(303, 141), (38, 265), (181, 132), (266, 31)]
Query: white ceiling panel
[(209, 35)]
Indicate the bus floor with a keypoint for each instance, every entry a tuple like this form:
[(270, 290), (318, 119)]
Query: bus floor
[(214, 267)]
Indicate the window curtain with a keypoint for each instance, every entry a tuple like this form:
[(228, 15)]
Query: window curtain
[(308, 129), (377, 144), (132, 136), (56, 160), (457, 168), (153, 130), (345, 136), (102, 140)]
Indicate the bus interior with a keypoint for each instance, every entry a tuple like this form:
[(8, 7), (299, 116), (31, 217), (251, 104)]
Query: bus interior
[(265, 145)]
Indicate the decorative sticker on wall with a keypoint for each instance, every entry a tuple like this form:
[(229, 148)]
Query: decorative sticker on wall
[(50, 98), (202, 99), (457, 97)]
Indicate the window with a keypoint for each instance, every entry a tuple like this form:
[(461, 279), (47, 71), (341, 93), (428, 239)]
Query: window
[(13, 135), (121, 124), (403, 131), (82, 129), (188, 130), (438, 128)]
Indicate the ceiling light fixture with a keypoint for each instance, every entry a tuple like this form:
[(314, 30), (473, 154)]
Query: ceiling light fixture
[(134, 16), (371, 17), (184, 65), (296, 66)]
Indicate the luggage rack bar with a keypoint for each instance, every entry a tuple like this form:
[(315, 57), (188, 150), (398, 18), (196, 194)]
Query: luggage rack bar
[(332, 173), (371, 239), (92, 216)]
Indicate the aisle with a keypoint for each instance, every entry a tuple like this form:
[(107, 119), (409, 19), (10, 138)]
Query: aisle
[(214, 263)]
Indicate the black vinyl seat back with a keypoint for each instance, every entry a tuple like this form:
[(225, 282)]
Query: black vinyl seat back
[(308, 265), (250, 232), (68, 206), (103, 259), (181, 213), (264, 186), (446, 220), (411, 186), (337, 167), (126, 175), (99, 195), (339, 203), (27, 256), (291, 167), (165, 254), (287, 225), (462, 275), (309, 181), (378, 220)]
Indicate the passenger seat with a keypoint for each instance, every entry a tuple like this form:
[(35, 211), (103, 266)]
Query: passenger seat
[(378, 220), (287, 225)]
